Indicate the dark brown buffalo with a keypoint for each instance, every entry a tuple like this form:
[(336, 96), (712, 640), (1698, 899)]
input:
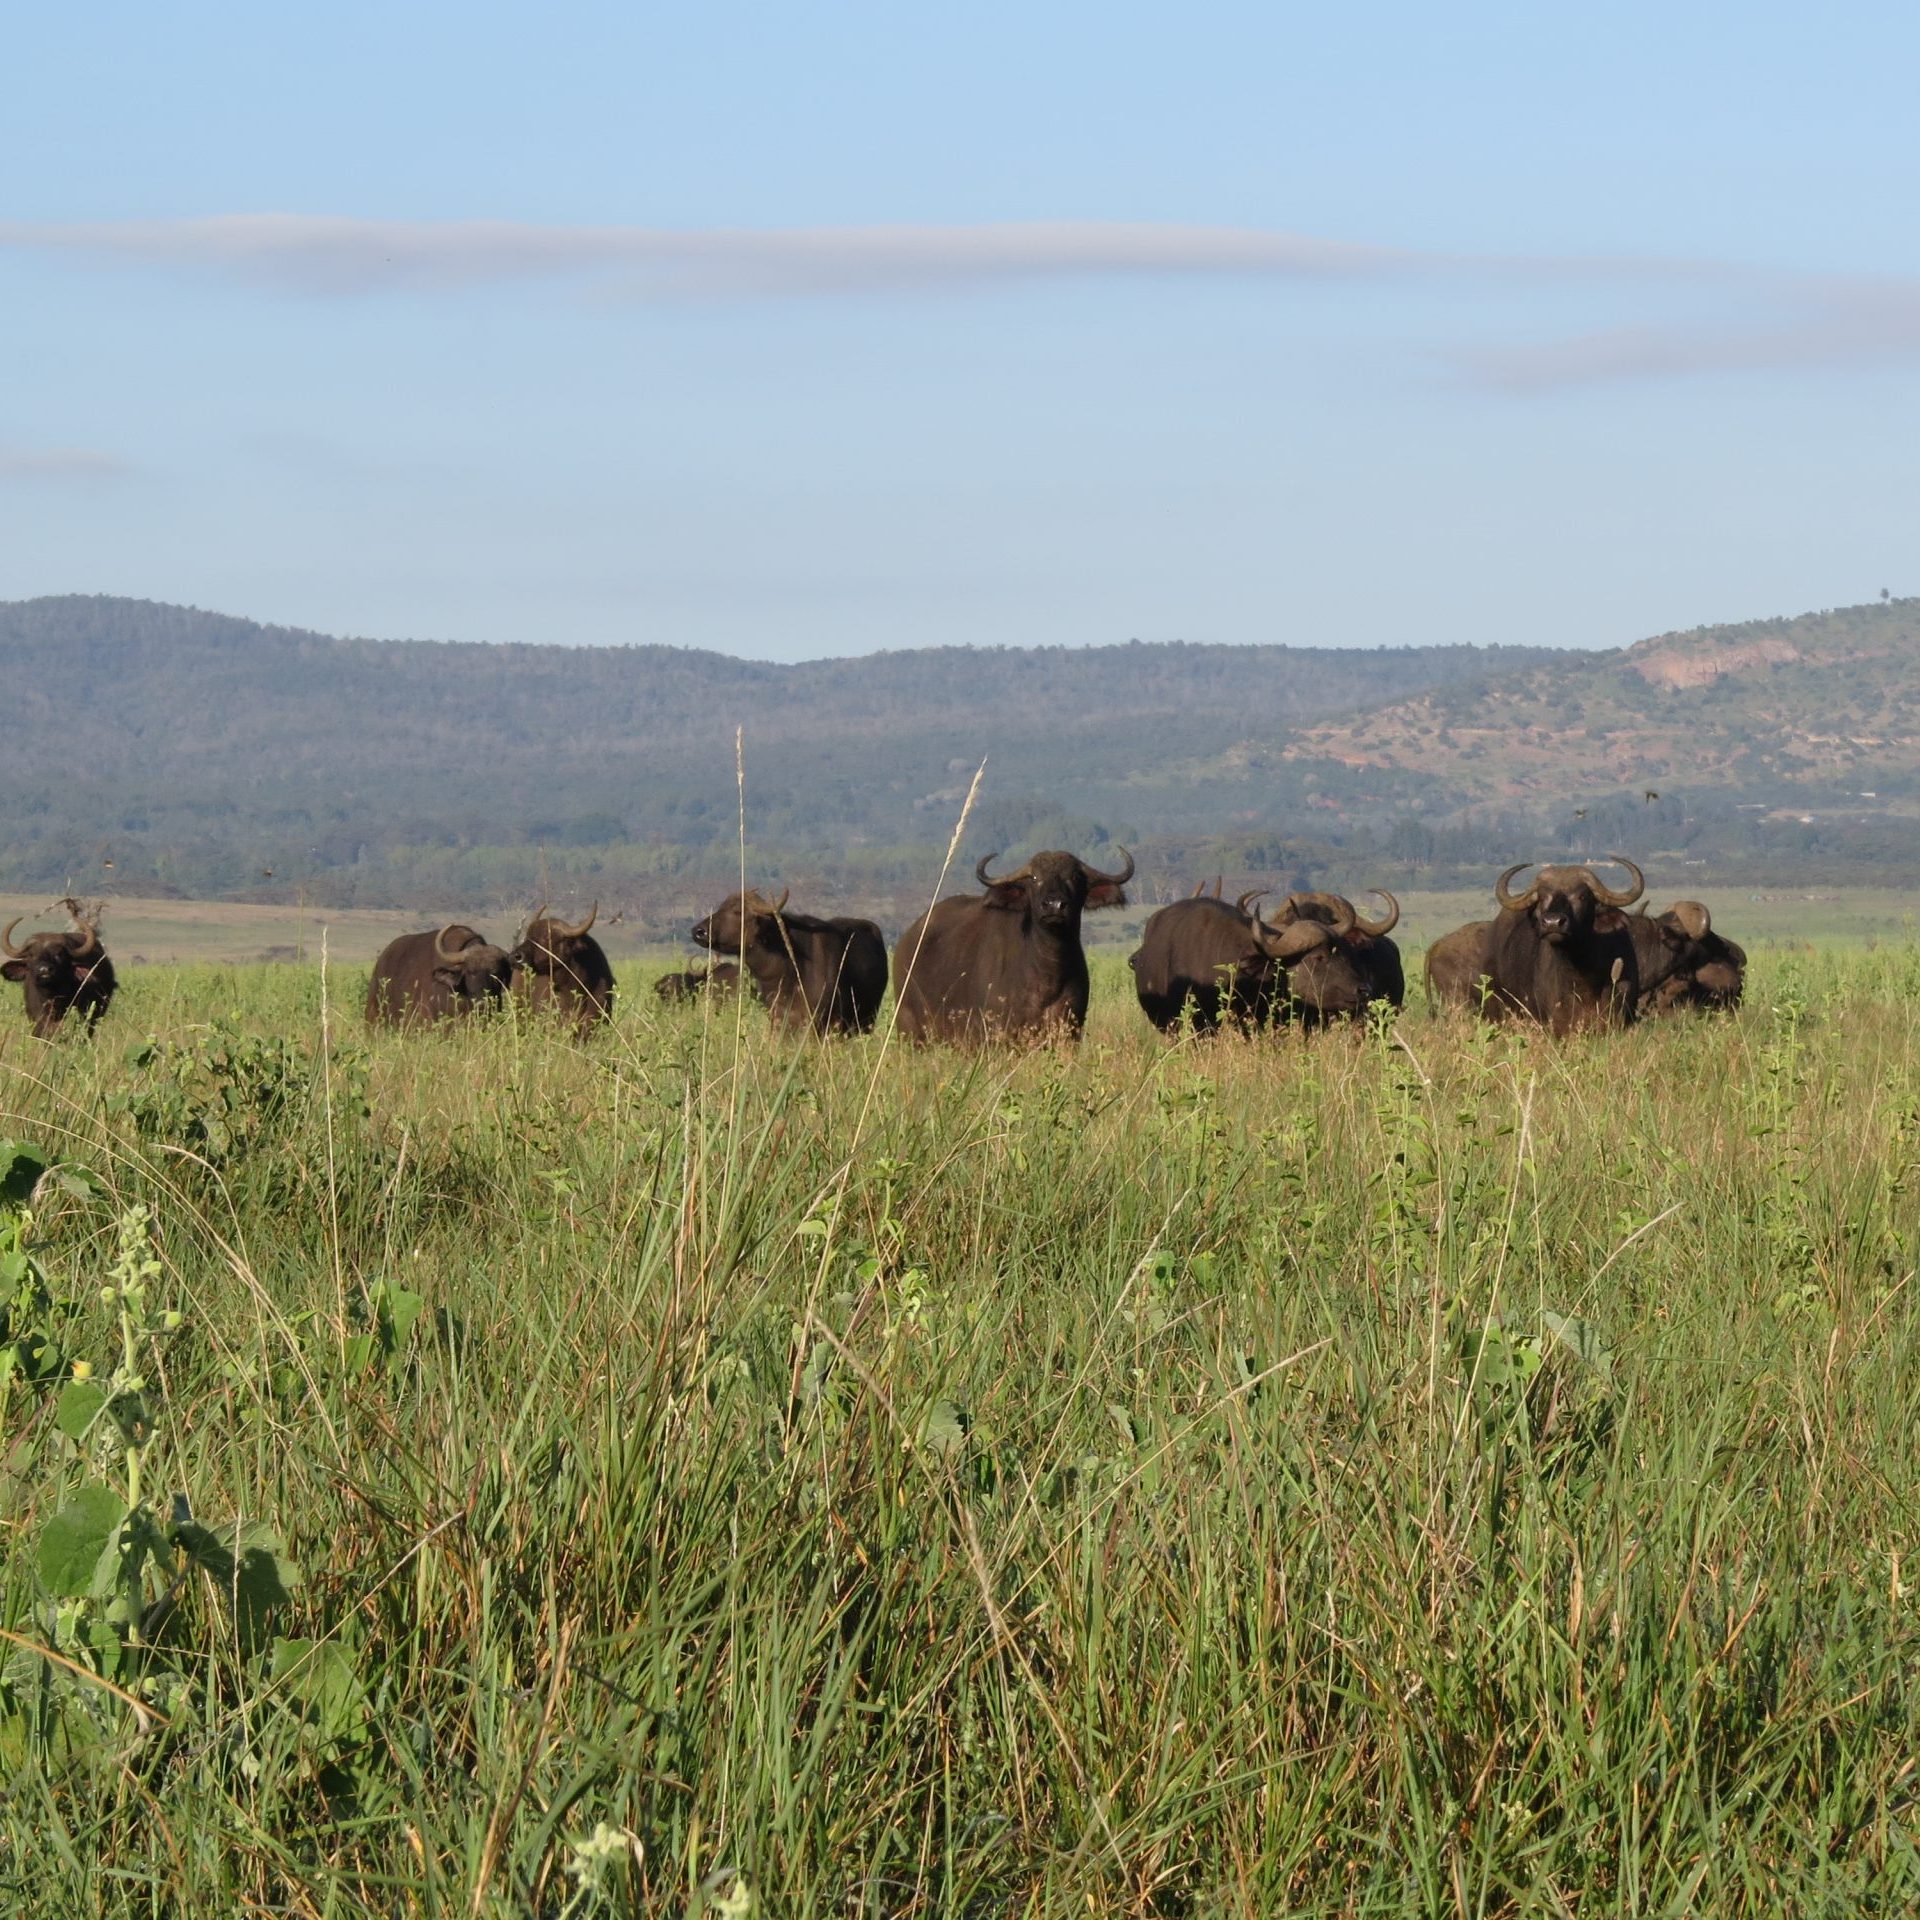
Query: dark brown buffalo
[(1214, 963), (1560, 953), (722, 977), (1005, 964), (63, 973), (437, 976), (1457, 967), (562, 969), (1376, 956), (1683, 962), (830, 975)]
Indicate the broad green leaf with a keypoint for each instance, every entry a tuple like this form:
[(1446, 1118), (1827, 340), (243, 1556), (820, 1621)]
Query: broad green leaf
[(402, 1310), (318, 1676), (944, 1430), (75, 1539), (1581, 1340), (79, 1407)]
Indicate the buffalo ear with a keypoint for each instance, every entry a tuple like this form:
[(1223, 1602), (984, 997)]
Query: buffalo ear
[(1105, 894), (1010, 896), (449, 976), (1609, 920), (13, 970)]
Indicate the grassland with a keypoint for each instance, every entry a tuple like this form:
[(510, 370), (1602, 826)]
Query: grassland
[(1432, 1472)]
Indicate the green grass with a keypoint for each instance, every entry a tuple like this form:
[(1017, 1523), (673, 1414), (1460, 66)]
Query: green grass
[(1433, 1472)]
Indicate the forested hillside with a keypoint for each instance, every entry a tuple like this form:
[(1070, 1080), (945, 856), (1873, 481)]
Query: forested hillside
[(158, 748), (197, 751)]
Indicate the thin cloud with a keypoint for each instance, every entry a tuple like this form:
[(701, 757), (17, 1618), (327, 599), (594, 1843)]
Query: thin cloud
[(59, 463), (316, 254), (1784, 319), (1850, 328)]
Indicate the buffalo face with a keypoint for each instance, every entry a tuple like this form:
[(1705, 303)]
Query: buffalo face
[(59, 971), (741, 922), (1055, 889), (1567, 904), (1325, 981), (477, 974)]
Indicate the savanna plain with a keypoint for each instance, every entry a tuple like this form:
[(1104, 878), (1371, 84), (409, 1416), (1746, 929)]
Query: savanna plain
[(1423, 1469)]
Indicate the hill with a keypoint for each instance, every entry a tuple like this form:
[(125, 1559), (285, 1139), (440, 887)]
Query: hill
[(199, 753)]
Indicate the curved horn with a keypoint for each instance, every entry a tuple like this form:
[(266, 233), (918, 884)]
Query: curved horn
[(1612, 895), (980, 870), (1375, 928), (91, 944), (6, 938), (1296, 941), (1503, 892), (441, 951), (1336, 906), (1252, 894), (1692, 918), (560, 930), (1112, 879)]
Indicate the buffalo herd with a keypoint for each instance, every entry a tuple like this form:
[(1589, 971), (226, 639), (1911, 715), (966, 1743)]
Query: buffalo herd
[(1008, 964)]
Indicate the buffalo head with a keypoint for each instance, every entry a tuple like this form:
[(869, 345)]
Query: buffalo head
[(1055, 889), (741, 922), (469, 967), (1703, 968), (548, 944), (54, 962), (1566, 904), (1323, 976)]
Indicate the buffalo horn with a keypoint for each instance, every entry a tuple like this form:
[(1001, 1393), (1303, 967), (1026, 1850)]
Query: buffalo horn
[(1252, 894), (559, 930), (1296, 941), (1692, 918), (6, 938), (1095, 876), (1375, 929), (980, 871), (91, 944), (441, 952), (1612, 895), (1503, 890)]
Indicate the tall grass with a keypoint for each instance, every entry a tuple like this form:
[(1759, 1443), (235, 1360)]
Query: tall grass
[(1412, 1471)]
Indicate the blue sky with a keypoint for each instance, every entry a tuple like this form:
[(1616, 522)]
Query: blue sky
[(794, 332)]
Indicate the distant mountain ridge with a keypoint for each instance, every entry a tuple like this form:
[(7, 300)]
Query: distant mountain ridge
[(209, 754), (1823, 705)]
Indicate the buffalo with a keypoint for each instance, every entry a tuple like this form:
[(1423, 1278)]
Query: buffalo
[(437, 976), (1560, 952), (1683, 962), (1214, 963), (721, 977), (1005, 964), (830, 975), (562, 969), (63, 973), (1373, 953), (1457, 966)]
